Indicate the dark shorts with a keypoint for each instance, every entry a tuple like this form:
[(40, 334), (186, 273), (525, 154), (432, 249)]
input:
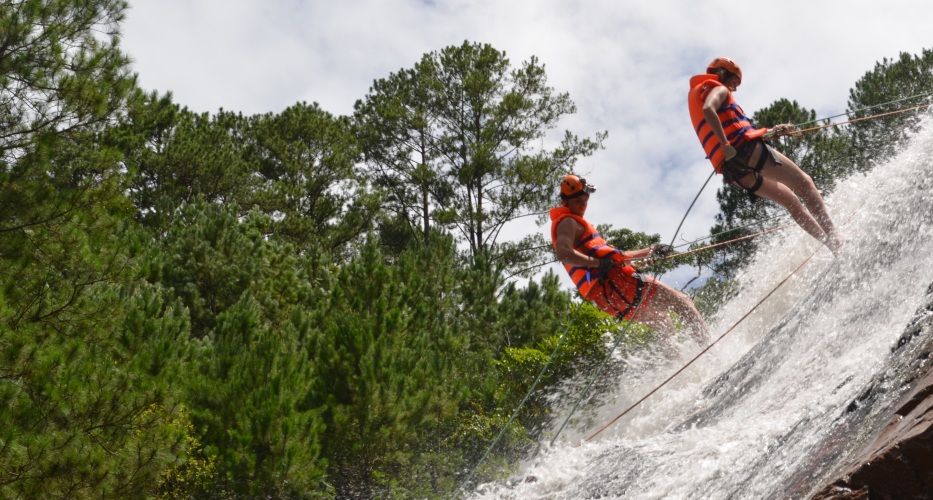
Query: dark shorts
[(621, 291), (740, 166)]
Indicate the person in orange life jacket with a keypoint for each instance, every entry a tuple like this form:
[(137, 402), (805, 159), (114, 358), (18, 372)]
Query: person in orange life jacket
[(603, 274), (739, 152)]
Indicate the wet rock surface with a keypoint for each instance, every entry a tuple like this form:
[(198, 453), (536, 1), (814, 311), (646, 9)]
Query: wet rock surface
[(898, 462)]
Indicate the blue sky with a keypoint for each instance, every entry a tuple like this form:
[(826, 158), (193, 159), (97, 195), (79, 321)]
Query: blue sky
[(624, 63)]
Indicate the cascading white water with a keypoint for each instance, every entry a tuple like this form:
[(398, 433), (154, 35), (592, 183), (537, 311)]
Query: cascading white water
[(794, 389)]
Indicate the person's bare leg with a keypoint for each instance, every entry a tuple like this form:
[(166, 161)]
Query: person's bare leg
[(667, 299), (782, 195), (802, 185), (661, 323)]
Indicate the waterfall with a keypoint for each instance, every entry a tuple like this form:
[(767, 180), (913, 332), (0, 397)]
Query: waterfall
[(795, 389)]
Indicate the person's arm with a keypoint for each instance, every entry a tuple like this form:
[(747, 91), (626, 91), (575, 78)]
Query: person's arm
[(567, 232), (714, 100), (649, 255), (640, 253)]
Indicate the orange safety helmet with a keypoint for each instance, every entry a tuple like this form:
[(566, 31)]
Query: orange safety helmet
[(726, 64), (572, 186)]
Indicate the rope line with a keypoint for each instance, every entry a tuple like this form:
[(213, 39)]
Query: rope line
[(534, 385), (730, 230), (707, 348), (847, 113), (560, 342), (686, 244), (716, 245), (621, 334), (768, 295), (855, 120), (598, 371)]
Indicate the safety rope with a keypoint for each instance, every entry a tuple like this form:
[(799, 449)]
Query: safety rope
[(621, 334), (848, 113), (730, 230), (768, 295), (534, 385), (855, 120), (701, 353), (619, 337), (797, 130), (681, 245), (715, 245), (710, 346)]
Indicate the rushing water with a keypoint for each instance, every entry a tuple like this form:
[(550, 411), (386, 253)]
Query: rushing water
[(795, 389)]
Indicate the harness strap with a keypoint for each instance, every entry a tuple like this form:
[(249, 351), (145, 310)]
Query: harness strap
[(762, 159), (639, 290), (737, 168)]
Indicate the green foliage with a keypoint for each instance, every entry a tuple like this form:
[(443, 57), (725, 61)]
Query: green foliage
[(529, 323), (251, 400), (380, 345), (526, 315), (395, 126), (85, 352), (86, 405), (892, 85), (178, 157), (582, 329), (210, 259), (60, 70), (59, 215), (304, 163), (455, 144), (296, 167), (193, 477), (589, 335), (248, 390)]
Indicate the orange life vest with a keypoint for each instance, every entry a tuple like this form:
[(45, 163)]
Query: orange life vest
[(591, 243), (735, 124)]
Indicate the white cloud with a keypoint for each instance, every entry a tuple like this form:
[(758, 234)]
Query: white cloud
[(626, 64)]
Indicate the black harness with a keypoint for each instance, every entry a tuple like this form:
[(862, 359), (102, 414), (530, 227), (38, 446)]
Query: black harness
[(609, 287), (738, 167)]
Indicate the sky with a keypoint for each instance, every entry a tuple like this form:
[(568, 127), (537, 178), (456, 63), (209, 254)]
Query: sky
[(625, 64)]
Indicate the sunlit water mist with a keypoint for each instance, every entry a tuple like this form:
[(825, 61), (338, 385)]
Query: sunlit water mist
[(794, 390)]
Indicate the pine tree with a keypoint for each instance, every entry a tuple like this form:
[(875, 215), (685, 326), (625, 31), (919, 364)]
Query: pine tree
[(248, 389), (251, 397), (304, 162), (384, 349), (176, 157), (892, 85), (455, 142), (86, 411)]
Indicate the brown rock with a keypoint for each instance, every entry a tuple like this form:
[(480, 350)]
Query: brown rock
[(898, 464)]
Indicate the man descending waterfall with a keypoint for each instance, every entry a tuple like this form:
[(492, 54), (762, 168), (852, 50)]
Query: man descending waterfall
[(604, 275), (738, 151)]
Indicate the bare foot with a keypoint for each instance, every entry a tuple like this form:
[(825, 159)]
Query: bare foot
[(834, 243)]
